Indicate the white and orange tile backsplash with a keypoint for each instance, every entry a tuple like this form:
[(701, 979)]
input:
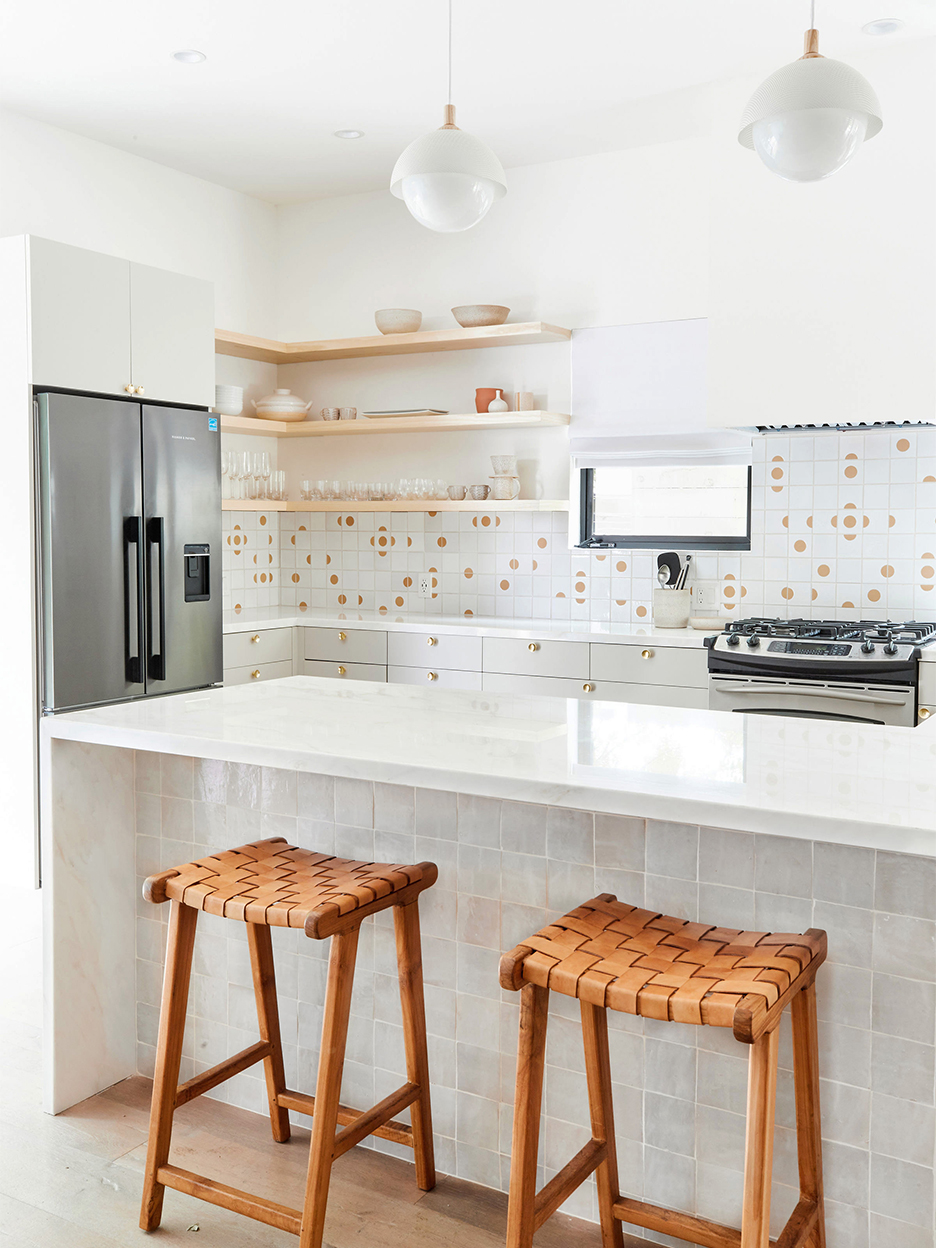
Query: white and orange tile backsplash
[(842, 524)]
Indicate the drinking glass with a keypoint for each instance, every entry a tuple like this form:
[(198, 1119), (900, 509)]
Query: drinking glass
[(225, 471), (265, 473), (441, 490), (278, 485), (332, 490)]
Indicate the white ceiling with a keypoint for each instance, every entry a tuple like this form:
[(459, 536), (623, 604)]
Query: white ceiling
[(537, 79)]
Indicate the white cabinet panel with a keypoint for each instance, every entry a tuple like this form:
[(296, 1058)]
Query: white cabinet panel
[(434, 676), (596, 691), (171, 336), (80, 318), (267, 645), (536, 658), (345, 645), (547, 686), (344, 671), (928, 683), (652, 665), (435, 649), (262, 671)]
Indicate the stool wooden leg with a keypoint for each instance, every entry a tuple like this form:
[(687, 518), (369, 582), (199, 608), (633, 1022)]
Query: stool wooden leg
[(412, 999), (598, 1072), (260, 943), (328, 1085), (808, 1124), (758, 1149), (182, 920), (534, 1008)]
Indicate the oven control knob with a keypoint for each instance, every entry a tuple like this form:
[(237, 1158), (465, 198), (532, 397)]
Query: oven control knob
[(733, 639), (891, 647), (753, 641), (867, 647)]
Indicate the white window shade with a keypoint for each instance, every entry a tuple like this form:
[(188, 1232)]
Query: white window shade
[(639, 397)]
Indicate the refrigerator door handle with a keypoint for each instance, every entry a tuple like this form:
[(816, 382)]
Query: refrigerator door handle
[(133, 599), (156, 653)]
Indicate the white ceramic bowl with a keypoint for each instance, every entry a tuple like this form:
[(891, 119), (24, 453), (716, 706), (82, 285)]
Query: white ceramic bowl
[(471, 315), (282, 405), (398, 320)]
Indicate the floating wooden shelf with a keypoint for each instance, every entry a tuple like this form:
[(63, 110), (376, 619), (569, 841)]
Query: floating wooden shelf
[(349, 506), (248, 347), (470, 421)]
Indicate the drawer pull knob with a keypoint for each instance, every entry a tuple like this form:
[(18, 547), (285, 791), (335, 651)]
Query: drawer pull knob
[(588, 688), (430, 641), (342, 671), (129, 389), (342, 636), (646, 654), (431, 676), (534, 645), (255, 674), (255, 638), (924, 713), (139, 389)]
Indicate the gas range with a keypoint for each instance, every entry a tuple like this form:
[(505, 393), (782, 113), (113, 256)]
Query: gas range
[(863, 670)]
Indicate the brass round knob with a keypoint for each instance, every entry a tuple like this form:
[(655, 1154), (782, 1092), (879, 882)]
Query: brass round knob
[(924, 713), (129, 389), (588, 688), (430, 641), (255, 675), (139, 389), (431, 676), (341, 671), (342, 636), (534, 645), (255, 638), (646, 654)]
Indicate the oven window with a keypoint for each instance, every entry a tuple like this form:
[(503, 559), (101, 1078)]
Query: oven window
[(694, 507)]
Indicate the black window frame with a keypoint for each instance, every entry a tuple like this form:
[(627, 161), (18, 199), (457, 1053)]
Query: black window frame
[(590, 541)]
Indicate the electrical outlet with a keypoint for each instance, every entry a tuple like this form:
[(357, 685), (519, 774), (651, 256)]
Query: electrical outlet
[(425, 585), (705, 594)]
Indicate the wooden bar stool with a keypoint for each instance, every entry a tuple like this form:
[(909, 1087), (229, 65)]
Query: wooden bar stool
[(618, 957), (272, 884)]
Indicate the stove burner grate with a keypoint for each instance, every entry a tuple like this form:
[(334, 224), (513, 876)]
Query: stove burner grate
[(910, 632)]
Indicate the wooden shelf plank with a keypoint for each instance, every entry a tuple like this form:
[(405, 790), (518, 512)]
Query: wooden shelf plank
[(227, 342), (467, 422), (349, 506)]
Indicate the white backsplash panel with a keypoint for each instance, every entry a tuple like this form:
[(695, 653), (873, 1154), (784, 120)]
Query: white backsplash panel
[(842, 525)]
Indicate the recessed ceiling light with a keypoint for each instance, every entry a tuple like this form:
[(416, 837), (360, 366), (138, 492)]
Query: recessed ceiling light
[(188, 56), (884, 26), (349, 134)]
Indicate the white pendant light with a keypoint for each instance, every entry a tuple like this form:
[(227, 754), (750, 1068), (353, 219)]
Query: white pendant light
[(810, 118), (448, 179)]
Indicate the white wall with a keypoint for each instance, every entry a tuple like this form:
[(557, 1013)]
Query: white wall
[(74, 190)]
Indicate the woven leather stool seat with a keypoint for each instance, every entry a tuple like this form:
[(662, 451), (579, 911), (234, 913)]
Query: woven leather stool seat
[(639, 962), (274, 883)]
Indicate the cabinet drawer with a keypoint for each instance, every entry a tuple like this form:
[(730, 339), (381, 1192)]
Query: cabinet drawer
[(927, 694), (267, 645), (345, 645), (345, 671), (597, 690), (263, 671), (435, 650), (434, 676), (536, 658), (650, 665), (545, 686)]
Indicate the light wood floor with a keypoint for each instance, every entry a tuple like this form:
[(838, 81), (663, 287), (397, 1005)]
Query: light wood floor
[(74, 1181)]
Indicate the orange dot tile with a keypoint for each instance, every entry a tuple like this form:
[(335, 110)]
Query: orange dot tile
[(851, 471), (928, 572), (621, 566), (399, 601), (851, 455), (514, 564), (903, 444), (776, 473), (333, 579), (641, 611), (342, 599), (505, 584), (407, 582), (874, 595), (440, 541), (469, 573), (295, 577), (799, 544), (823, 569), (541, 543), (786, 593)]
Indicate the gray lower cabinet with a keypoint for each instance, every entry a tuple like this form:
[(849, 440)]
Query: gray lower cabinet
[(263, 671), (266, 645), (650, 665), (445, 650), (443, 678), (516, 656), (345, 645), (344, 671)]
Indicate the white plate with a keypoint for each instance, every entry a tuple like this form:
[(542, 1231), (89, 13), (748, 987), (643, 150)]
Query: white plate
[(410, 411)]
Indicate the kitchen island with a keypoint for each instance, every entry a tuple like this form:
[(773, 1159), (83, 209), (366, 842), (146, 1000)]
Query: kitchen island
[(529, 805)]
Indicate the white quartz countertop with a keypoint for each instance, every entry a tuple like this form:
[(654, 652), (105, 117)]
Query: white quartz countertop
[(474, 626), (847, 783)]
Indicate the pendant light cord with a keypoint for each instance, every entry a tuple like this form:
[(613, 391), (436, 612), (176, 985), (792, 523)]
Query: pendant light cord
[(812, 24), (450, 49)]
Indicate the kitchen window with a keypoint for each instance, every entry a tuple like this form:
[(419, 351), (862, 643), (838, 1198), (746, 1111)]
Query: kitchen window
[(689, 507)]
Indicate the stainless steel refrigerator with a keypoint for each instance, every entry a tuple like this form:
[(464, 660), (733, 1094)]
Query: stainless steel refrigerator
[(129, 500)]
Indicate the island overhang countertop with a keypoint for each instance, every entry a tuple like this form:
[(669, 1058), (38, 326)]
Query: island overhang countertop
[(852, 784)]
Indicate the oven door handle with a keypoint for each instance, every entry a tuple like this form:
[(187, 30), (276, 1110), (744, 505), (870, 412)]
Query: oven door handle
[(843, 696)]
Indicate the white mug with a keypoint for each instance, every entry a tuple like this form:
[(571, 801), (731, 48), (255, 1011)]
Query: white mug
[(505, 488), (479, 492)]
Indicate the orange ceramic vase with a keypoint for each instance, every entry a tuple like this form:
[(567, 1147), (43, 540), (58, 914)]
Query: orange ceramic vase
[(483, 398)]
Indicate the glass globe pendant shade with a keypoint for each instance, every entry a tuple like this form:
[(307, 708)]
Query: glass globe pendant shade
[(810, 118), (448, 179), (811, 144)]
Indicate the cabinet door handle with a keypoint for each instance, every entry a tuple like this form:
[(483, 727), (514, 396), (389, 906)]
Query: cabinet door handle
[(588, 688), (139, 389), (646, 654), (129, 389), (342, 636), (533, 646), (341, 671), (431, 676), (430, 641), (254, 639), (255, 674)]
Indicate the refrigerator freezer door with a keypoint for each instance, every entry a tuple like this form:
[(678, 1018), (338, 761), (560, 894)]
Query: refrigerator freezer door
[(182, 505), (91, 508)]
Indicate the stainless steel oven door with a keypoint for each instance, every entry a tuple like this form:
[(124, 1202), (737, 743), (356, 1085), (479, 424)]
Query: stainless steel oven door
[(869, 704)]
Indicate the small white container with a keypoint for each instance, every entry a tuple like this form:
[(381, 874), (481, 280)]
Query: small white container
[(229, 400), (671, 608)]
